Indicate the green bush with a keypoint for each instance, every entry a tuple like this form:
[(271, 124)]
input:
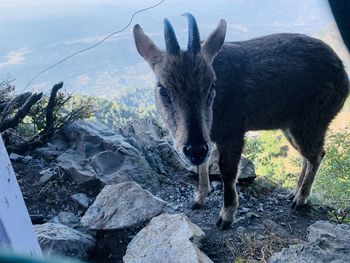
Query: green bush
[(133, 104), (67, 109), (333, 180), (269, 153)]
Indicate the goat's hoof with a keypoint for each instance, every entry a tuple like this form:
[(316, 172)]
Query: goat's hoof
[(196, 206), (218, 222), (300, 207), (222, 224), (297, 205), (225, 225)]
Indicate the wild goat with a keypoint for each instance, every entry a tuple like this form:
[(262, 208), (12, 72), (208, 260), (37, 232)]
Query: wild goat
[(217, 91)]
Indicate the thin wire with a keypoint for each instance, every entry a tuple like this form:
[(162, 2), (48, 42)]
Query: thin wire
[(93, 46)]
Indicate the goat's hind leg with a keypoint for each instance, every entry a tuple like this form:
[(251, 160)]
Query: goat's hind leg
[(310, 144), (203, 188), (293, 142), (304, 190), (304, 169), (229, 157)]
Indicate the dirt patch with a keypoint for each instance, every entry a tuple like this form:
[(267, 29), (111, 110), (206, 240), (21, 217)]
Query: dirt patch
[(45, 200), (264, 221)]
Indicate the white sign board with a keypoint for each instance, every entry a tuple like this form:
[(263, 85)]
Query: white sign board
[(16, 230)]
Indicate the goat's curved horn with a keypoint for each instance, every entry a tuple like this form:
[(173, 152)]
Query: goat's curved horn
[(194, 44), (171, 44)]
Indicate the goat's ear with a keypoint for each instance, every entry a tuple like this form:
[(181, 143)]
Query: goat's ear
[(145, 46), (215, 40)]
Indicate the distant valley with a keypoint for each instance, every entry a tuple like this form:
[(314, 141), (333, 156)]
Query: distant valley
[(36, 38)]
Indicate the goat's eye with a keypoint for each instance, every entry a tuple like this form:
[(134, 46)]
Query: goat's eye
[(163, 92)]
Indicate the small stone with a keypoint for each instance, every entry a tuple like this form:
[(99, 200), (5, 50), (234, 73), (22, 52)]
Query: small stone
[(82, 199), (176, 207), (217, 186), (46, 177), (251, 215), (239, 219), (120, 206), (245, 209), (61, 240), (16, 157), (27, 158), (42, 172), (66, 218)]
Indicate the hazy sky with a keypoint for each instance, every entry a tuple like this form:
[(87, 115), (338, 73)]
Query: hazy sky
[(37, 33)]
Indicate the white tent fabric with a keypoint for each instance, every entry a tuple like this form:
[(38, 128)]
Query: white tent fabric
[(16, 230)]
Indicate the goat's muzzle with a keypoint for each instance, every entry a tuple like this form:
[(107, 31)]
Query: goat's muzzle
[(196, 154)]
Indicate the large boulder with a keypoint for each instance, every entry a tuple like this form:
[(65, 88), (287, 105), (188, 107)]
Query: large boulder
[(97, 153), (246, 170), (327, 242), (148, 137), (58, 239), (120, 206), (167, 238)]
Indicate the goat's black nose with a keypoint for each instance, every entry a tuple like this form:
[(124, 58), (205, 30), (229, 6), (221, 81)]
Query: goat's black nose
[(196, 153)]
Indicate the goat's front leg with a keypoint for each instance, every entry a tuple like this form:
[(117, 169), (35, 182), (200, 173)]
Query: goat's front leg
[(229, 157), (203, 188)]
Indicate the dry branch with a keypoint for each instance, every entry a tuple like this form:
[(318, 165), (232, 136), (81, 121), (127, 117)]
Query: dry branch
[(27, 100), (50, 119), (7, 106), (47, 115)]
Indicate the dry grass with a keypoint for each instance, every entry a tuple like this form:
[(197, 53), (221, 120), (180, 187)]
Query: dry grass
[(251, 249), (262, 186)]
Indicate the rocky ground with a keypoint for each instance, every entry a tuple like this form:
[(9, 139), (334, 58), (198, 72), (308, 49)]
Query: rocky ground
[(65, 184)]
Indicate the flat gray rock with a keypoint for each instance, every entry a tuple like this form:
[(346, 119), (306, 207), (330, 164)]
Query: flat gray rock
[(167, 239), (97, 153), (74, 165), (327, 242), (145, 130), (57, 239), (16, 157), (66, 218), (120, 206), (82, 199)]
